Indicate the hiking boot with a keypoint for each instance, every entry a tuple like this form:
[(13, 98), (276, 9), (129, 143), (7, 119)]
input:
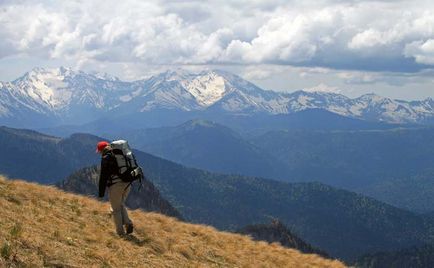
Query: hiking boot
[(129, 228)]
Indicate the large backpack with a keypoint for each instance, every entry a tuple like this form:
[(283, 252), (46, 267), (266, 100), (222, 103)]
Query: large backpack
[(128, 170)]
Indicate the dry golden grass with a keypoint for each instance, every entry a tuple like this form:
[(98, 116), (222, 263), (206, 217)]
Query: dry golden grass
[(43, 226)]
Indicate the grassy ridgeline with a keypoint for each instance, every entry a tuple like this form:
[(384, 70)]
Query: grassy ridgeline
[(43, 226)]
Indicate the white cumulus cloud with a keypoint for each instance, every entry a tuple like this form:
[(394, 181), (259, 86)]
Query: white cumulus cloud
[(358, 35)]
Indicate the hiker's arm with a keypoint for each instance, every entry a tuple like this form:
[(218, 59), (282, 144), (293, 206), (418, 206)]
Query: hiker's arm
[(103, 175)]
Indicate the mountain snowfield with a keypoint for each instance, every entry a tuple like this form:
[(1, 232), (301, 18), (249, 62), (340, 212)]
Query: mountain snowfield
[(63, 96)]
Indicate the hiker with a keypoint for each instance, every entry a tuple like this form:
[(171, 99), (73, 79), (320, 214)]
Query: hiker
[(118, 189)]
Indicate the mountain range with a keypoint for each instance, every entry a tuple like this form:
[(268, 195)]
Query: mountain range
[(53, 97)]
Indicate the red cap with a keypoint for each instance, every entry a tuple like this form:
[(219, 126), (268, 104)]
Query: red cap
[(101, 145)]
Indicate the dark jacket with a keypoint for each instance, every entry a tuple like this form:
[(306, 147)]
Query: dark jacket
[(109, 168)]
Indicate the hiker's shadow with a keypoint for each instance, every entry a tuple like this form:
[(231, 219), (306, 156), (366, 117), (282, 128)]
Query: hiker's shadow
[(135, 240)]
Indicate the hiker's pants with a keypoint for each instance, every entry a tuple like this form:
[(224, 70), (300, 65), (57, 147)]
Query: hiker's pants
[(118, 193)]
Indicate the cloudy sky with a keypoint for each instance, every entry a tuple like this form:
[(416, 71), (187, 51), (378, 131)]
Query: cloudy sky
[(351, 47)]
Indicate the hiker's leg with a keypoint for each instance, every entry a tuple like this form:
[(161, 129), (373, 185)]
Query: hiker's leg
[(125, 218), (116, 200)]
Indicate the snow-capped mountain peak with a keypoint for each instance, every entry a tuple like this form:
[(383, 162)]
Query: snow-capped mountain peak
[(44, 87), (207, 88), (203, 89), (59, 92)]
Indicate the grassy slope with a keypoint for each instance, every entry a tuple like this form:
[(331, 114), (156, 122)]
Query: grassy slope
[(43, 226)]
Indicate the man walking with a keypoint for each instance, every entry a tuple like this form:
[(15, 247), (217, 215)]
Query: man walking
[(118, 190)]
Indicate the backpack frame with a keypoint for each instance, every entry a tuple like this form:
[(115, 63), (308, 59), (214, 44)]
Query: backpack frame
[(128, 169)]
